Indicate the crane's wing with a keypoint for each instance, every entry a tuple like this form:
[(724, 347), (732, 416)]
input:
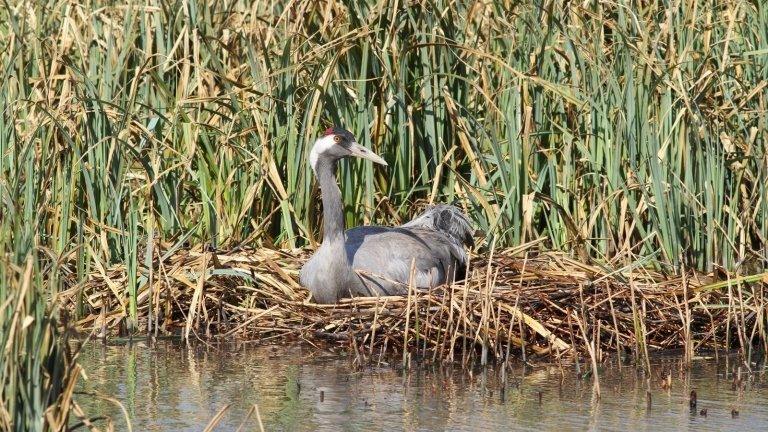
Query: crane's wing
[(382, 258), (447, 219)]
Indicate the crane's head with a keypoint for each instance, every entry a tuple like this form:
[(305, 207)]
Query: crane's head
[(336, 143)]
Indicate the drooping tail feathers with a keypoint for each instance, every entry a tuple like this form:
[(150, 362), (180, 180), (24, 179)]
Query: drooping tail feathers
[(448, 219)]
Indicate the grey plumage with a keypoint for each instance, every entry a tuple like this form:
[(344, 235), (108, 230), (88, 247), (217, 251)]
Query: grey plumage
[(376, 260), (448, 219)]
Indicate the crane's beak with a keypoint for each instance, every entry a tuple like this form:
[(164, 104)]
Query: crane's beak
[(362, 152)]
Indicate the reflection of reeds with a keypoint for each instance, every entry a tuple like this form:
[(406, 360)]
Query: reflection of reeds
[(254, 295)]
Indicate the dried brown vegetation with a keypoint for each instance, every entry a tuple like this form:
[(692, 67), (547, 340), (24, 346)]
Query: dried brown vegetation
[(516, 302)]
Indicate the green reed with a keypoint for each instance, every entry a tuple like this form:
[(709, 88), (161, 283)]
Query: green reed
[(644, 124)]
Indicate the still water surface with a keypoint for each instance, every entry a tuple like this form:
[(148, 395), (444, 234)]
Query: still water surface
[(167, 387)]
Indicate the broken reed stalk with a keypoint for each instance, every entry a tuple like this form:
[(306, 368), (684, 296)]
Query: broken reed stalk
[(509, 304), (410, 296), (487, 304), (216, 419), (589, 343)]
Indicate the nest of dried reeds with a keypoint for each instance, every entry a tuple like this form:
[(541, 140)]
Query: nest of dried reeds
[(513, 303)]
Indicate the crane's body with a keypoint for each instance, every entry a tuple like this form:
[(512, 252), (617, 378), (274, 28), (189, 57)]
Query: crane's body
[(377, 260)]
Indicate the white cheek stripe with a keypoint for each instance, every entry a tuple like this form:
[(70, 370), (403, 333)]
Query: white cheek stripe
[(322, 145)]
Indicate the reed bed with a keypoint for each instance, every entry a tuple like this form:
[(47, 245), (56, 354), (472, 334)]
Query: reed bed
[(619, 132), (515, 303)]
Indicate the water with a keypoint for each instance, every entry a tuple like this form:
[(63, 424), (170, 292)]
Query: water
[(170, 388)]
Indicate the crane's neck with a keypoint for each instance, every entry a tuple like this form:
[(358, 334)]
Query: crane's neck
[(333, 214)]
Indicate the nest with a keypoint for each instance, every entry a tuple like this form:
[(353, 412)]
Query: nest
[(514, 303)]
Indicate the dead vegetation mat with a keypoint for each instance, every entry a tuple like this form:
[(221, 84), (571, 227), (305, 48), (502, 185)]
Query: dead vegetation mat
[(515, 302)]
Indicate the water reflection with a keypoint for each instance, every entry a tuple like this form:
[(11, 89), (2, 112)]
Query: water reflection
[(168, 387)]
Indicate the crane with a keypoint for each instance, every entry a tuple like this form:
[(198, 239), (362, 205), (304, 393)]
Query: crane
[(378, 260)]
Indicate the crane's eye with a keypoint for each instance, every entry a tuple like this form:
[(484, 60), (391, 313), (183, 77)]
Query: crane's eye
[(337, 139)]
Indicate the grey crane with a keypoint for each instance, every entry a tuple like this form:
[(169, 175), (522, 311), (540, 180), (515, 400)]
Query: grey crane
[(377, 260)]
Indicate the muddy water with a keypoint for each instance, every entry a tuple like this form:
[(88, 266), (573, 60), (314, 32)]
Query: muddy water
[(171, 388)]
